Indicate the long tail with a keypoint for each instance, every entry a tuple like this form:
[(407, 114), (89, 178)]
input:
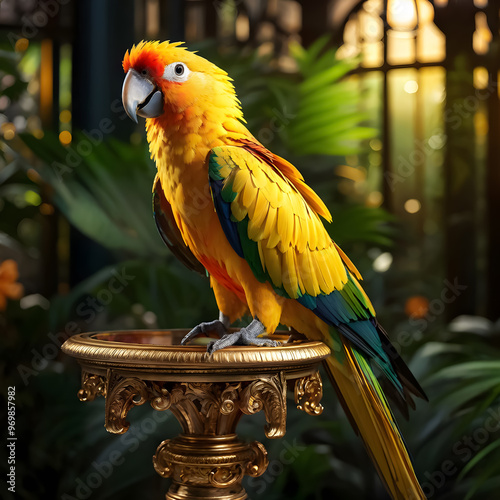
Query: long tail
[(366, 406)]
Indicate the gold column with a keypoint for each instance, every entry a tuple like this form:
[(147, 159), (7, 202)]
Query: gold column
[(207, 394)]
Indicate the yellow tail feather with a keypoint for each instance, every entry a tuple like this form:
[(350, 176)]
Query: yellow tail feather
[(372, 419)]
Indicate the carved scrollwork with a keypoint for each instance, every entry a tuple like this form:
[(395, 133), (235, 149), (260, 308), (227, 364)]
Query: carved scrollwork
[(223, 477), (258, 465), (122, 395), (207, 399), (92, 386), (228, 397), (308, 394), (160, 398), (269, 394), (194, 475), (161, 462), (199, 406), (209, 461)]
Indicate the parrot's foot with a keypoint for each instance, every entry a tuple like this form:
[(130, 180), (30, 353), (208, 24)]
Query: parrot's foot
[(219, 326), (246, 336)]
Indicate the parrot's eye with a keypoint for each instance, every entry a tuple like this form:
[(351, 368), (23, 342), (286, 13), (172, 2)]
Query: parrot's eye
[(176, 72)]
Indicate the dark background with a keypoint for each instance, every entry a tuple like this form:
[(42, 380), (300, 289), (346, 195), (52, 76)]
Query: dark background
[(390, 110)]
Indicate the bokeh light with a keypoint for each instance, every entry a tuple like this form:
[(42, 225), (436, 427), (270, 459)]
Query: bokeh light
[(65, 116), (411, 86), (65, 137), (22, 45), (8, 130), (417, 306), (383, 262), (412, 206), (374, 199)]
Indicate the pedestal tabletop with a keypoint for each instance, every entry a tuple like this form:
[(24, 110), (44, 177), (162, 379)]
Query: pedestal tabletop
[(158, 355)]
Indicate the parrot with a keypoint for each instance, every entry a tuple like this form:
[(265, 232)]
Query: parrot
[(229, 208)]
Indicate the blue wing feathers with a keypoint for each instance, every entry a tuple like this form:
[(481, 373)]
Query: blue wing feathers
[(229, 225)]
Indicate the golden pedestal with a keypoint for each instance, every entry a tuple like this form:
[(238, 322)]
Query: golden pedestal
[(207, 394)]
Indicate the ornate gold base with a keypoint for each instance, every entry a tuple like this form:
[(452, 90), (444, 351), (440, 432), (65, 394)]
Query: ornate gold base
[(208, 466), (207, 394)]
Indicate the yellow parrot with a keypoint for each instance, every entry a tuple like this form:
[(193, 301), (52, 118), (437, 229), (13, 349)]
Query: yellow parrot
[(229, 207)]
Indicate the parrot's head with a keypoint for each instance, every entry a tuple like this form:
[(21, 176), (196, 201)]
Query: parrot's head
[(164, 78)]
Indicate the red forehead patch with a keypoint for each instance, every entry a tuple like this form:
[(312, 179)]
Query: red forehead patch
[(141, 58)]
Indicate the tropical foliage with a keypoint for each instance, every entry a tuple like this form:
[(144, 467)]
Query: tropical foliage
[(312, 118)]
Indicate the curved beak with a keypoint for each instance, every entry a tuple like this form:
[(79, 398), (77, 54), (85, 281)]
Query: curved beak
[(141, 97)]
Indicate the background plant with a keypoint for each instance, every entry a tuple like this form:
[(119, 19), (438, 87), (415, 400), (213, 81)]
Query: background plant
[(312, 118)]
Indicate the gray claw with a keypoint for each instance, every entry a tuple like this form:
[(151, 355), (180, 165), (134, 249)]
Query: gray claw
[(219, 326), (246, 336)]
